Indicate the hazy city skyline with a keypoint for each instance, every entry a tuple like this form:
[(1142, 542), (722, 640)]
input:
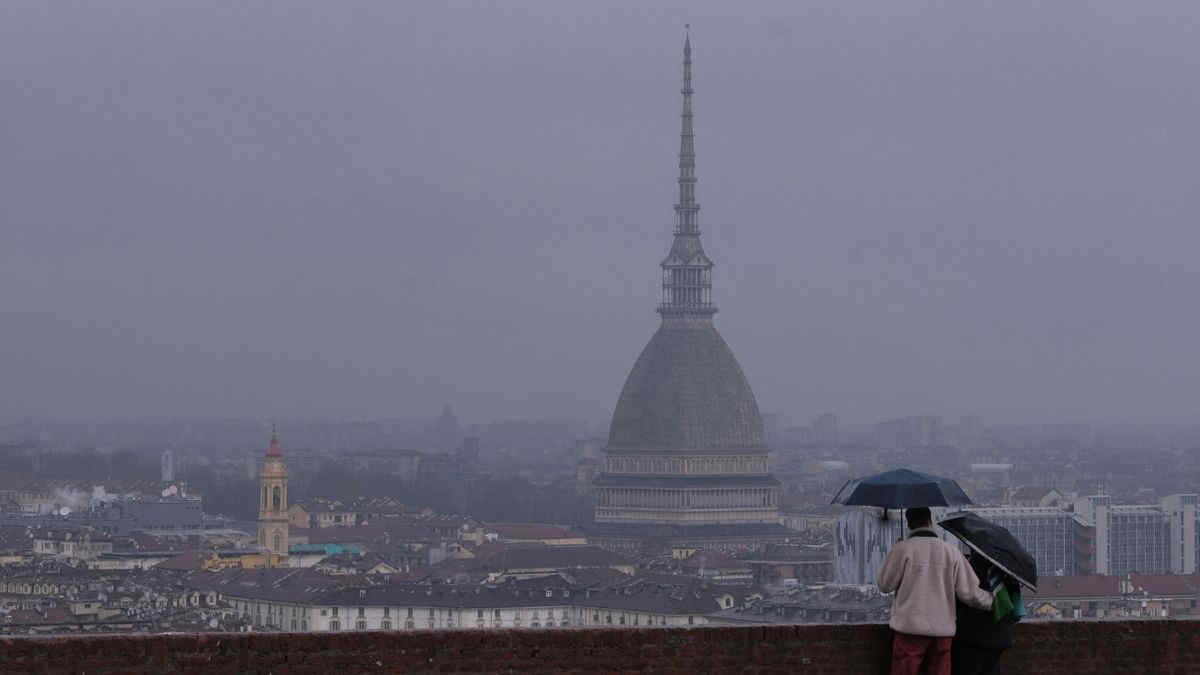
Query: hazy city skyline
[(306, 209)]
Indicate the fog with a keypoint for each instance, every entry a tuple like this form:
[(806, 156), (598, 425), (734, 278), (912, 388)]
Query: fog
[(366, 209)]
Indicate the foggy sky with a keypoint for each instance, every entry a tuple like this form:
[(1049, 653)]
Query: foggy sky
[(372, 208)]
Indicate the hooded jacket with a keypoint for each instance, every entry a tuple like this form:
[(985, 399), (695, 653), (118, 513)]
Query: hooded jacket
[(927, 575)]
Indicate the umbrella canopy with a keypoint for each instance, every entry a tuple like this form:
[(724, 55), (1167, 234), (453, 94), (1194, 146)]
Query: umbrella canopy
[(901, 489), (995, 543)]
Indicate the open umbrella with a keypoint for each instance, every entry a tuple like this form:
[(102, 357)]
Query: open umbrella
[(901, 489), (995, 543)]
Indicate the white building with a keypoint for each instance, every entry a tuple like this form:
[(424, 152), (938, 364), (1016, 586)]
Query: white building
[(1147, 538), (424, 607), (862, 539), (1059, 540)]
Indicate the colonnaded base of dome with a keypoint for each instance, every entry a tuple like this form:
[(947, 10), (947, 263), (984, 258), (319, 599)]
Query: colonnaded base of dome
[(632, 538)]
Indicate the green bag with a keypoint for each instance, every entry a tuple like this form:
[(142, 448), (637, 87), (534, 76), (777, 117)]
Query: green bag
[(1002, 604)]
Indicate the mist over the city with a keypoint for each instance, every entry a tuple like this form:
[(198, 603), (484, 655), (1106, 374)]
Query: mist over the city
[(392, 317), (308, 209)]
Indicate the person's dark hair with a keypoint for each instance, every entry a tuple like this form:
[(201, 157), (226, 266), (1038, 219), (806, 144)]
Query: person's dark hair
[(918, 516)]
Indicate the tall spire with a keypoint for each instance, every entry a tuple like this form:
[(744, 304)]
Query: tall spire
[(687, 271), (687, 207)]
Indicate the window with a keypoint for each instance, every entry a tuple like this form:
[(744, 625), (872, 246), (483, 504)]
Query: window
[(385, 624), (387, 611), (295, 624), (361, 624), (276, 498), (608, 618), (431, 612), (362, 611), (410, 612), (324, 612), (691, 620), (335, 611), (408, 624), (304, 624), (496, 614), (335, 625), (479, 613)]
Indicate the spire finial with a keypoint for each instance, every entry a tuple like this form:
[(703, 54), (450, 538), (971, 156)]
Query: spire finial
[(687, 271)]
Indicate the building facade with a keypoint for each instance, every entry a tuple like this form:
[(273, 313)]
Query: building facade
[(273, 517), (1158, 538), (686, 459), (862, 538), (1062, 542), (405, 607)]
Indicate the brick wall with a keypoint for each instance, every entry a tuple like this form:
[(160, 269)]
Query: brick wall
[(1062, 647)]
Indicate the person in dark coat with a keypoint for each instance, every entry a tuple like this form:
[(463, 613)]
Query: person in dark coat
[(980, 639)]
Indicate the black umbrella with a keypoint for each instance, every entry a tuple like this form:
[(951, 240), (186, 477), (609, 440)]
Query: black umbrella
[(901, 489), (995, 543)]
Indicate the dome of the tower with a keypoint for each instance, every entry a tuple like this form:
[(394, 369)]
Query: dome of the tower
[(686, 392)]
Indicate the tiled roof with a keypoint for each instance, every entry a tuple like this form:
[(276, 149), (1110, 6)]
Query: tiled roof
[(339, 535), (1030, 493), (712, 560), (528, 531), (189, 560), (1110, 586), (654, 598)]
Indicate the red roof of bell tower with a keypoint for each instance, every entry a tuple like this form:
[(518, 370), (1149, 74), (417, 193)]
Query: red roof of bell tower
[(274, 450)]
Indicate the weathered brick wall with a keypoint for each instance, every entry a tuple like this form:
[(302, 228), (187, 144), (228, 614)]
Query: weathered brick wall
[(1068, 647)]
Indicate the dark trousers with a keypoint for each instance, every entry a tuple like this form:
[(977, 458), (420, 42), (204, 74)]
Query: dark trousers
[(969, 660), (910, 651)]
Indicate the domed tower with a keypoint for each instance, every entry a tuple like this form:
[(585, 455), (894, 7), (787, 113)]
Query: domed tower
[(686, 460), (272, 503)]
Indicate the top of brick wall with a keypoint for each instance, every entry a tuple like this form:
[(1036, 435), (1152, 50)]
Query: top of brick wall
[(1152, 646)]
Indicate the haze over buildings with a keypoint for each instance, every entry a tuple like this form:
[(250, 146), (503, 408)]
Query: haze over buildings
[(301, 210)]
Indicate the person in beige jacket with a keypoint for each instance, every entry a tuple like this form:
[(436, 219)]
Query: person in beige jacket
[(927, 574)]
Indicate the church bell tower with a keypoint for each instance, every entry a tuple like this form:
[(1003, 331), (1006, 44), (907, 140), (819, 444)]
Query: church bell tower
[(273, 504)]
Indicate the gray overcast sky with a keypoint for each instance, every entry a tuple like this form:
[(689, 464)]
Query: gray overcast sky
[(370, 208)]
